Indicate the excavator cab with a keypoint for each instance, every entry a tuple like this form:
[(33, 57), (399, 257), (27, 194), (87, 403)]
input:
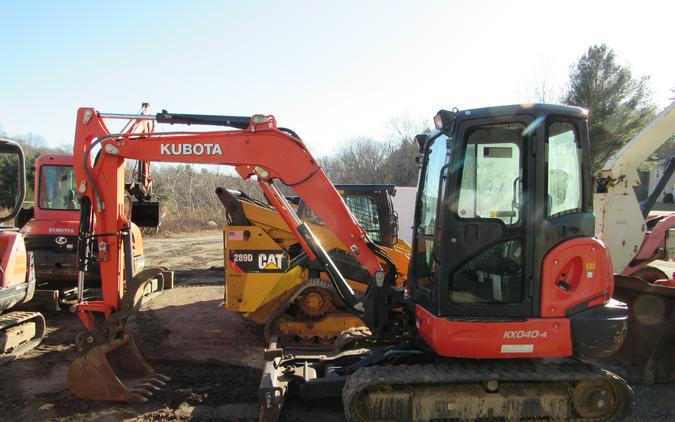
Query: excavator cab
[(507, 286), (505, 229), (51, 229)]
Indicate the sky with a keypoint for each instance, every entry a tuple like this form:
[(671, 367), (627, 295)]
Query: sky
[(329, 70)]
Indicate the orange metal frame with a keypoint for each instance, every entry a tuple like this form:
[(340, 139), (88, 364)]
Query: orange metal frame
[(261, 150)]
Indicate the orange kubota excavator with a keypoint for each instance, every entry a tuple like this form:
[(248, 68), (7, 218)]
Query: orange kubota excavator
[(51, 225), (507, 285)]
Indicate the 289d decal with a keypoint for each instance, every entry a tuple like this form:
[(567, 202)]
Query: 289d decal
[(262, 261)]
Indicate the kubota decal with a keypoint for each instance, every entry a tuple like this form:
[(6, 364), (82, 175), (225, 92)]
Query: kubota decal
[(60, 230), (190, 149)]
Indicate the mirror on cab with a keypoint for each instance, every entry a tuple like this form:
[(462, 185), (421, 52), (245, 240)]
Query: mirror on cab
[(12, 180)]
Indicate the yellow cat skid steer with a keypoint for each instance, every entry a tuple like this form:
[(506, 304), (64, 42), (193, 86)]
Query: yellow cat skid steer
[(269, 279)]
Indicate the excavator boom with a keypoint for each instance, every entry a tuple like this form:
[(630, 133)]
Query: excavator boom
[(256, 147), (260, 150)]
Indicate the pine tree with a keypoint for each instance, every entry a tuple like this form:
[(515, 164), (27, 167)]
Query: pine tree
[(618, 104)]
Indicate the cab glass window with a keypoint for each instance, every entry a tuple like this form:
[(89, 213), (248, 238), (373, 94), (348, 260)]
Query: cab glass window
[(437, 157), (563, 164), (494, 276), (57, 188), (491, 184)]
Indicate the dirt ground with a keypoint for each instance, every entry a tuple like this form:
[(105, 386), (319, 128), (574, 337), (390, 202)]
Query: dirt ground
[(212, 356)]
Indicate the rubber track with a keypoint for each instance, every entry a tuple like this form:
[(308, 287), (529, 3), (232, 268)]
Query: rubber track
[(469, 372), (12, 319), (282, 307)]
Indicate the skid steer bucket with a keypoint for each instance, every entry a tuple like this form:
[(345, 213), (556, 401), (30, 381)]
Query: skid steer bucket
[(146, 214), (114, 371), (110, 366)]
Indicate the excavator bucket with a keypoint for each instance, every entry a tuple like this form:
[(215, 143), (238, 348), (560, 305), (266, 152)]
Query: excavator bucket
[(111, 367), (146, 214), (114, 371)]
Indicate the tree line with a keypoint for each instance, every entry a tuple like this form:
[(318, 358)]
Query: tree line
[(619, 105)]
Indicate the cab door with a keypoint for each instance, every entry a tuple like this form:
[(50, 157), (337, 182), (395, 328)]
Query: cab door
[(487, 231)]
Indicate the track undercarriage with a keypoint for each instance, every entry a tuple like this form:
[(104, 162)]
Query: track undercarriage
[(405, 382)]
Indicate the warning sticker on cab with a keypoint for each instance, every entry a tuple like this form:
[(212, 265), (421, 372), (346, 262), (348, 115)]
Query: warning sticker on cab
[(517, 348), (260, 261)]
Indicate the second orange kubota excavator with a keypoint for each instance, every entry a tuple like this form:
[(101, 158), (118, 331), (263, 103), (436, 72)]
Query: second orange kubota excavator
[(507, 285)]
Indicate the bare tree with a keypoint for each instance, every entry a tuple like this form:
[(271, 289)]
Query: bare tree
[(366, 160), (359, 160), (33, 140), (542, 89), (188, 194)]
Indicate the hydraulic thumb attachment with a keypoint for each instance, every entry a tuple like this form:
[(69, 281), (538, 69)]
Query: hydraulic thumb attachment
[(110, 366)]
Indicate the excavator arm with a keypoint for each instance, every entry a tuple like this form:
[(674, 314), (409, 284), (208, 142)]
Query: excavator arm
[(620, 218), (110, 366), (255, 148)]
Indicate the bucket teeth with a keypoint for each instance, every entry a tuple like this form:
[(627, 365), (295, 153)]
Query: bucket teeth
[(150, 385), (140, 395), (114, 371), (157, 382)]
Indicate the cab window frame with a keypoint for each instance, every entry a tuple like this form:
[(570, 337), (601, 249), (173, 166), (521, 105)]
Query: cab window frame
[(422, 235)]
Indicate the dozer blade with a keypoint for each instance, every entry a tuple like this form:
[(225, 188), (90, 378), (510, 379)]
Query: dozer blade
[(114, 371)]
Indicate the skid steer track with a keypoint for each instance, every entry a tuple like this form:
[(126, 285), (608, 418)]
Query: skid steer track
[(508, 391)]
